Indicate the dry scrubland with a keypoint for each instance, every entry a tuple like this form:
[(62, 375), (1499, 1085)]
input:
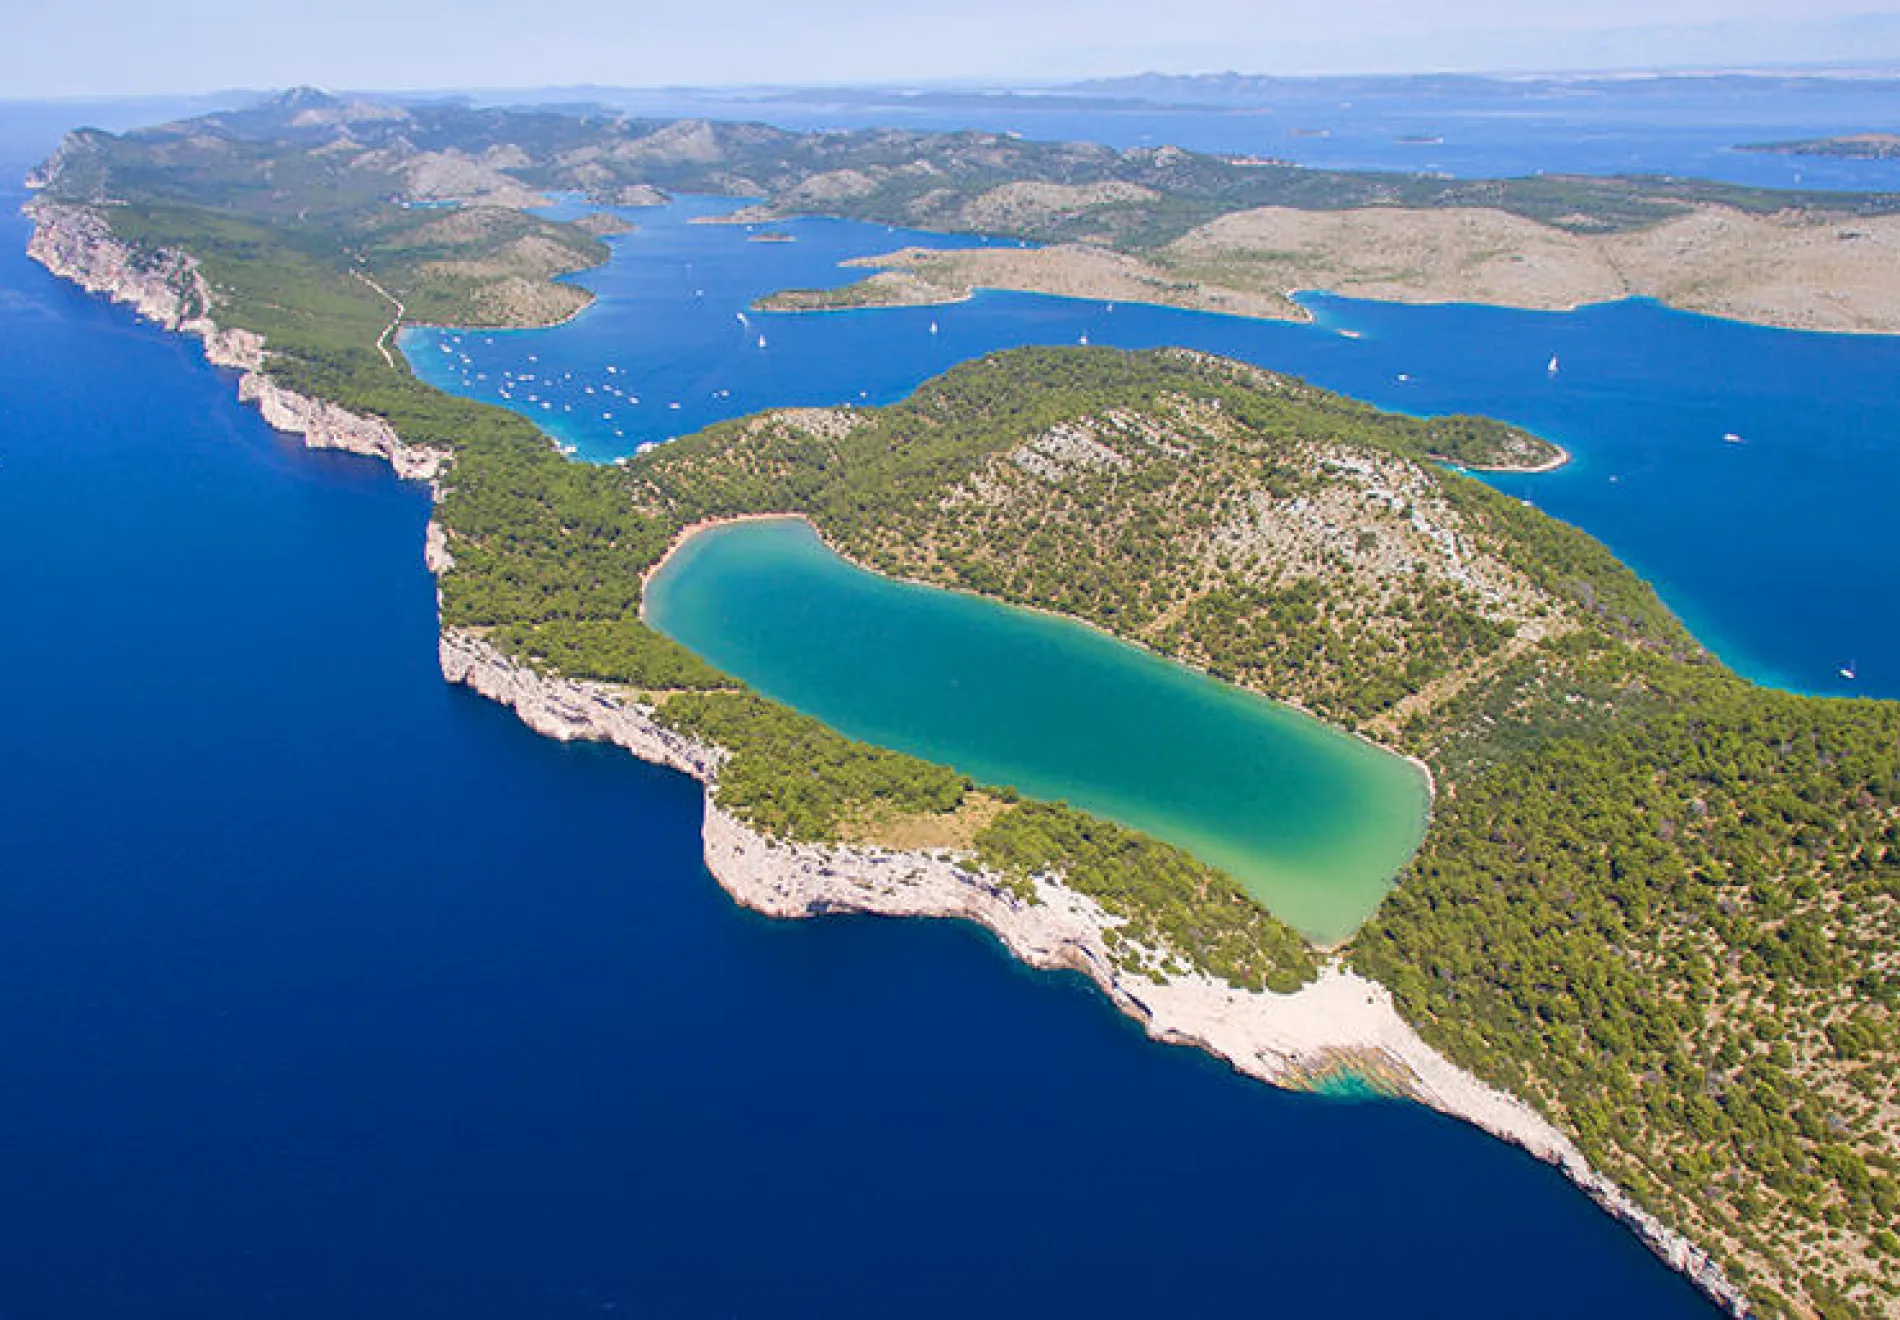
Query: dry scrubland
[(1795, 270)]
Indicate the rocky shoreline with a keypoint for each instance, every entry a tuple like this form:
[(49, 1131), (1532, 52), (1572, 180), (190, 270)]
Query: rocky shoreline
[(1340, 1022), (168, 289)]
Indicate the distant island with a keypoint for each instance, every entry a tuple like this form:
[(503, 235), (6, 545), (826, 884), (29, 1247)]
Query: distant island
[(1651, 932), (1854, 146)]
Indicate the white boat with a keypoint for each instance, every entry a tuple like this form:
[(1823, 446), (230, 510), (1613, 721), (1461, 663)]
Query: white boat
[(1847, 671), (1731, 438), (933, 327), (1552, 368), (1084, 340), (761, 341)]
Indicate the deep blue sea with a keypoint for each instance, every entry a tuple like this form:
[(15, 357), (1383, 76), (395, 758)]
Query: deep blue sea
[(326, 989)]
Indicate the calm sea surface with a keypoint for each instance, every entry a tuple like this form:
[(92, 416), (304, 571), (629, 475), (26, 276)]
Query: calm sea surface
[(1745, 471), (326, 989)]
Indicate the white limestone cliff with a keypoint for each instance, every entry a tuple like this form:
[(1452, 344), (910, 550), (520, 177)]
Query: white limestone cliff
[(168, 288)]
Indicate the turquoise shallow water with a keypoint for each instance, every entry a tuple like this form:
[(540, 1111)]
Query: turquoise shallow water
[(1313, 821)]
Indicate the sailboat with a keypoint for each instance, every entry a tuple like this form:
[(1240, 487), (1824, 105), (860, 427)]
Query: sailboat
[(933, 327), (1847, 671), (761, 341), (1552, 368)]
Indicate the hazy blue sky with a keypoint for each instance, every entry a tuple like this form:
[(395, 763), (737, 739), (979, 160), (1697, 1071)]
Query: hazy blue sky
[(90, 47)]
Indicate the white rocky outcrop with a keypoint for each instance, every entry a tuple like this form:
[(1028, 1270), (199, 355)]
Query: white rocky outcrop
[(1339, 1021), (570, 709), (323, 425), (75, 243), (168, 288)]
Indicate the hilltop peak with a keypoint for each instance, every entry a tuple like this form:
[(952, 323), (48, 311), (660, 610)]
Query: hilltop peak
[(305, 97)]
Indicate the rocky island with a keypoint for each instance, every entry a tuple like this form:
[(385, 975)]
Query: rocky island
[(1650, 934)]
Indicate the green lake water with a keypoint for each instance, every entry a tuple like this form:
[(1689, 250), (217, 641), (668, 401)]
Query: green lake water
[(1312, 821)]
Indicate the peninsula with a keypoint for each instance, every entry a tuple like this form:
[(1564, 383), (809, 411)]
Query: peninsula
[(1851, 146), (1795, 269), (1650, 934)]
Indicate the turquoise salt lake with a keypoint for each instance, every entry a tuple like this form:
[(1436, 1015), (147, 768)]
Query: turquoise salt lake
[(1312, 821)]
